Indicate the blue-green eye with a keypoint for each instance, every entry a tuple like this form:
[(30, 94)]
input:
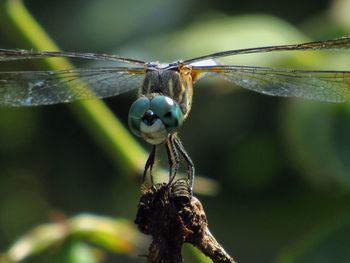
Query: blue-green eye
[(155, 118), (168, 111), (136, 112)]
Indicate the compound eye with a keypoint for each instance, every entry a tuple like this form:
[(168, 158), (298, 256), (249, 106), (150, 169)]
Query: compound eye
[(168, 111), (136, 112)]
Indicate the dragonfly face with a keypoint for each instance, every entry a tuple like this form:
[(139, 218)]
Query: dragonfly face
[(165, 101), (165, 92), (154, 118)]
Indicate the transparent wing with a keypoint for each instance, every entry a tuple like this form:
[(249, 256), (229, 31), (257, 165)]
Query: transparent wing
[(335, 44), (31, 88), (332, 86), (19, 54)]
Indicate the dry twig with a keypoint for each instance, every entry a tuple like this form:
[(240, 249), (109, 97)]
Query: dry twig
[(172, 216)]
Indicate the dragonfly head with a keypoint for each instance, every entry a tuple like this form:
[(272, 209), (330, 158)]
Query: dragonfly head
[(154, 118)]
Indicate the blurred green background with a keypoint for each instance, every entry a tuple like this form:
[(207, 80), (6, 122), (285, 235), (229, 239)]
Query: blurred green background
[(281, 165)]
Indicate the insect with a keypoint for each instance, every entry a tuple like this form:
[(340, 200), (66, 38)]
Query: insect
[(166, 90)]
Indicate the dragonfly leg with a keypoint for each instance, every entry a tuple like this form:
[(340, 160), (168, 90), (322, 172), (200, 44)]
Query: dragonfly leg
[(188, 160), (149, 165), (173, 158)]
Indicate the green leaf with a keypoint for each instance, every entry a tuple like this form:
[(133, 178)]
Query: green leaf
[(75, 252)]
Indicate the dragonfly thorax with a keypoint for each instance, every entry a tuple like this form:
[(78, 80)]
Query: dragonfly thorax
[(175, 83)]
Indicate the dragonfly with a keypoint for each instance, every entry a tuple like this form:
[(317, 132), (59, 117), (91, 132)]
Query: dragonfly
[(165, 91)]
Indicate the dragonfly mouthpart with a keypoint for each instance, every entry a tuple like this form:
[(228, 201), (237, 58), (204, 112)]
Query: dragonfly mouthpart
[(152, 128), (155, 133)]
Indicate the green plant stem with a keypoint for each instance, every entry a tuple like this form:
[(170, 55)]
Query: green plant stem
[(94, 114), (116, 235)]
